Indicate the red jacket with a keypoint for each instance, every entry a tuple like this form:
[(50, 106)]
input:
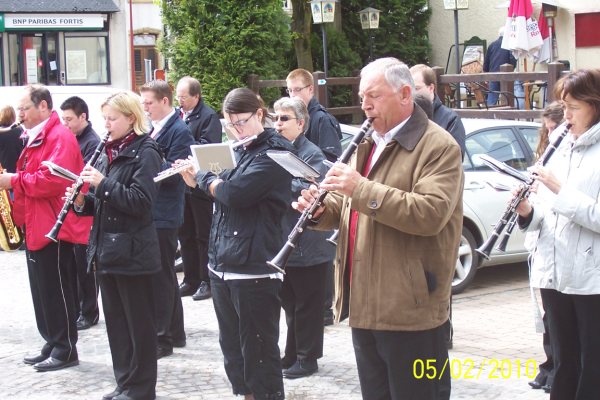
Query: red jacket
[(39, 194)]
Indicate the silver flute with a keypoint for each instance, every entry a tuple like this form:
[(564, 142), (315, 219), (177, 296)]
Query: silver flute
[(174, 170)]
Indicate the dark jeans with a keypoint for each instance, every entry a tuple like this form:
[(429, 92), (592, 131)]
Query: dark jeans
[(386, 364), (574, 332), (128, 306), (302, 295), (51, 272), (193, 238), (86, 288), (248, 313), (329, 289), (167, 301)]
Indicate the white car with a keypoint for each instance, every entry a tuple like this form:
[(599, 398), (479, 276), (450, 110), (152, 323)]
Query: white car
[(486, 193)]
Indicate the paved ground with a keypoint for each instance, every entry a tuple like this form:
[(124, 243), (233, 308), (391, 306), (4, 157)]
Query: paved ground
[(494, 338)]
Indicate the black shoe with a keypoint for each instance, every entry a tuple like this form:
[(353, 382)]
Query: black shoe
[(535, 384), (287, 362), (84, 323), (109, 396), (30, 360), (328, 320), (547, 388), (162, 351), (122, 396), (300, 369), (203, 292), (53, 364), (185, 289), (179, 343)]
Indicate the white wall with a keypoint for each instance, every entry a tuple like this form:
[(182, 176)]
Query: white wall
[(120, 57)]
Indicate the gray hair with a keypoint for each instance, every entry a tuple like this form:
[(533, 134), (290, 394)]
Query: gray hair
[(395, 72), (295, 105)]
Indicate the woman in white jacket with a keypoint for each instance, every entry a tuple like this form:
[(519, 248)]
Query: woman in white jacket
[(566, 261)]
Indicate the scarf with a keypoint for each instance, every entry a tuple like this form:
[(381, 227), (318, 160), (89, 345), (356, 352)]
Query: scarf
[(114, 147)]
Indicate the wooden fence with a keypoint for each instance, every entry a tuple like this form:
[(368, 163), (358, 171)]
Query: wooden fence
[(506, 78)]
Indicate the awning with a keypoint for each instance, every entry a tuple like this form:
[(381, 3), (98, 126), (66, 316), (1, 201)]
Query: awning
[(58, 6)]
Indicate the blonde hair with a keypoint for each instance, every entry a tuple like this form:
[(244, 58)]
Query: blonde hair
[(7, 116), (301, 74), (129, 104)]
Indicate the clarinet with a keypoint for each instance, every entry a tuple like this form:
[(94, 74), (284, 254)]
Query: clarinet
[(508, 220), (279, 262), (53, 234)]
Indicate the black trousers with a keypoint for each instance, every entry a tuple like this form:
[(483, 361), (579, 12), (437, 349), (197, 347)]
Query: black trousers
[(302, 295), (385, 361), (128, 306), (546, 374), (193, 238), (51, 271), (86, 303), (329, 289), (167, 301), (574, 336), (248, 313)]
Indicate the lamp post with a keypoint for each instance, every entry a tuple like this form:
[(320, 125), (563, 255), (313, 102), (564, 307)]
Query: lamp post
[(369, 19), (322, 12), (550, 11), (456, 5)]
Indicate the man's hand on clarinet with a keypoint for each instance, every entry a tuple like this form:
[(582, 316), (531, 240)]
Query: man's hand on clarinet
[(341, 178), (78, 201), (307, 198)]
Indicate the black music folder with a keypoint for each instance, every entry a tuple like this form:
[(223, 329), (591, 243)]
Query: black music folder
[(294, 165)]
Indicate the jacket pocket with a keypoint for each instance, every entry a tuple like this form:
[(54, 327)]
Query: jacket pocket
[(116, 248), (236, 248)]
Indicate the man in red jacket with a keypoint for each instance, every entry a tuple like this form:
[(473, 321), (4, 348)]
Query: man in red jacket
[(38, 201)]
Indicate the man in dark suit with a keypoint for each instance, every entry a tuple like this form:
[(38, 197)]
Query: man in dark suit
[(75, 116), (174, 140), (205, 127)]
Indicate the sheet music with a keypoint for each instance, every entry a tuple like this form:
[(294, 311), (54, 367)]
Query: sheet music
[(293, 164), (504, 168), (213, 157), (57, 170)]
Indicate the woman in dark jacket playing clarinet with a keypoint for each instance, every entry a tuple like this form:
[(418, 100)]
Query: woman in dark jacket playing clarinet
[(250, 203), (123, 246)]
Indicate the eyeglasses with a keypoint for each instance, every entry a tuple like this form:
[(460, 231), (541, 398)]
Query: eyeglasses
[(282, 118), (296, 90), (25, 108), (239, 123)]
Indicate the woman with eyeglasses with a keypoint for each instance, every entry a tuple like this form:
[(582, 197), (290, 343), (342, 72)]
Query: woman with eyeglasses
[(303, 290), (250, 203)]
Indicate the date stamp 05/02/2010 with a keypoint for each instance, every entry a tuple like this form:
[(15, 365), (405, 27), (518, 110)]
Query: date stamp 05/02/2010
[(469, 368)]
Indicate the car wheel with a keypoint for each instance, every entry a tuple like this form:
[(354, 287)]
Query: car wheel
[(467, 263), (178, 259)]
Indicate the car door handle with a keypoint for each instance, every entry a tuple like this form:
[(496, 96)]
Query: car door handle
[(474, 186)]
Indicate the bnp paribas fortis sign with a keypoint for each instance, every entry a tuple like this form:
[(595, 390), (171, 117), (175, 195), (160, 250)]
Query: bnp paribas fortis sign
[(32, 22)]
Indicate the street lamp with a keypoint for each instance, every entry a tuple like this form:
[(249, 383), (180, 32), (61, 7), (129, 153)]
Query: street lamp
[(322, 12), (456, 5), (550, 11), (369, 19)]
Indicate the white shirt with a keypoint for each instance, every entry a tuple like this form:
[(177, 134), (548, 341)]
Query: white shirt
[(33, 133), (382, 141), (227, 276), (158, 125)]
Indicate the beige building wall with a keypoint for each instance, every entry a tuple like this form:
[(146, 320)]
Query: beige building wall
[(483, 19), (118, 45)]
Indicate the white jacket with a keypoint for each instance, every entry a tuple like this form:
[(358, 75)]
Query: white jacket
[(567, 256)]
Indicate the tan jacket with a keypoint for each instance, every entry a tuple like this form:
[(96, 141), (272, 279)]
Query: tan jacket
[(408, 231)]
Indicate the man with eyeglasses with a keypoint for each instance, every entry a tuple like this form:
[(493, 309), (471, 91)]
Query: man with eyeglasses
[(205, 126), (324, 131), (174, 139), (38, 199)]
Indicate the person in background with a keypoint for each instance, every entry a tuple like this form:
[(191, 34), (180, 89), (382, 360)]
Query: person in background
[(123, 246), (398, 205), (303, 290), (174, 139), (425, 83), (11, 143), (205, 127), (496, 56), (250, 204), (563, 265), (75, 116), (552, 116), (38, 199), (324, 131)]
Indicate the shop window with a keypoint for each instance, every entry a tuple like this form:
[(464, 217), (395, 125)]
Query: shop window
[(86, 59)]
